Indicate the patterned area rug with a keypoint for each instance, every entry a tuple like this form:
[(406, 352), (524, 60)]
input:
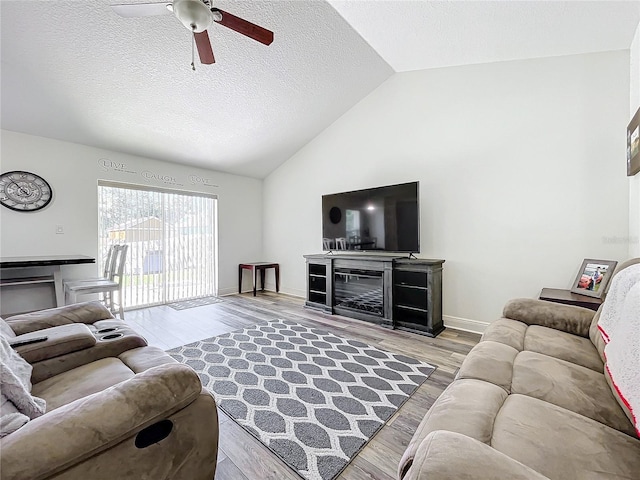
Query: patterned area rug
[(194, 302), (313, 398)]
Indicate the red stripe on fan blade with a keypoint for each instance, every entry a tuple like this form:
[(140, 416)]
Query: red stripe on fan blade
[(204, 48), (246, 28)]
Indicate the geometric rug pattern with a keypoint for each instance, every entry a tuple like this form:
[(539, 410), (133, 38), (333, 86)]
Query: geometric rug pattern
[(194, 302), (313, 398)]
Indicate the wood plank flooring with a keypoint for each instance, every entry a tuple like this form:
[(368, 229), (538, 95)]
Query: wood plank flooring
[(242, 457)]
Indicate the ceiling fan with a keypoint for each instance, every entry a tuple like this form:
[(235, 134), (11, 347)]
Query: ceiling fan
[(197, 16)]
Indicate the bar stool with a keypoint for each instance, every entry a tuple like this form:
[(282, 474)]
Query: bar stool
[(112, 282)]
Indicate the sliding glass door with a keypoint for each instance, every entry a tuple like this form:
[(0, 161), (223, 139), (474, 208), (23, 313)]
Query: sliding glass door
[(171, 237)]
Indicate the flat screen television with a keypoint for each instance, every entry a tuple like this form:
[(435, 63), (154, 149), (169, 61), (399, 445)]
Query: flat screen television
[(375, 219)]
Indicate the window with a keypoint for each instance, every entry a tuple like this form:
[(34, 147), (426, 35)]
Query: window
[(172, 241)]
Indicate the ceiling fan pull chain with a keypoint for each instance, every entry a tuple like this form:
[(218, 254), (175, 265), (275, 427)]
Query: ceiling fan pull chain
[(193, 55)]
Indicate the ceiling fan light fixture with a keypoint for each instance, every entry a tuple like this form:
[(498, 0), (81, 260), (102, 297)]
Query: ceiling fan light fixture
[(193, 14)]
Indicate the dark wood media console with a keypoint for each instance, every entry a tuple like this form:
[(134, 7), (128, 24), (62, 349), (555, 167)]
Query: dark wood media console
[(395, 292)]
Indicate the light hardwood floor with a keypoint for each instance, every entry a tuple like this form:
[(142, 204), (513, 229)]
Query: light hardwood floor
[(241, 456)]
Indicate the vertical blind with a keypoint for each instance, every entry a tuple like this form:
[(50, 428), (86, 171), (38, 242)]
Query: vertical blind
[(171, 237)]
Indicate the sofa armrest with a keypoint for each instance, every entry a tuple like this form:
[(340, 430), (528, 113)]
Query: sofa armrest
[(568, 318), (86, 312), (102, 349), (444, 455), (79, 430), (60, 341)]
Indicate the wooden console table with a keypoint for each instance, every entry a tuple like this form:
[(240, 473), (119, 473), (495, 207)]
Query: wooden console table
[(255, 268), (19, 271), (567, 297)]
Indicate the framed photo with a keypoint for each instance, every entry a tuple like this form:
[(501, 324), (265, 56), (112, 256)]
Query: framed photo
[(593, 277), (633, 145)]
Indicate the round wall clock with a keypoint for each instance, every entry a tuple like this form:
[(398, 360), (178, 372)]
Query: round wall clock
[(24, 191)]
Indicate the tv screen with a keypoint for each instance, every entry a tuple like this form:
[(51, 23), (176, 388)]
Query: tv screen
[(383, 218)]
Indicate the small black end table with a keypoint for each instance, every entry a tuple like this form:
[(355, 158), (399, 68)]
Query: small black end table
[(255, 268)]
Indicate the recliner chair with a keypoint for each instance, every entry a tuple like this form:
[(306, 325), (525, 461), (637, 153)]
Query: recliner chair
[(134, 413), (76, 334)]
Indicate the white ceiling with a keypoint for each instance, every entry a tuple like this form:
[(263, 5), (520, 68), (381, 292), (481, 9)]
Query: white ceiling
[(76, 71), (418, 34)]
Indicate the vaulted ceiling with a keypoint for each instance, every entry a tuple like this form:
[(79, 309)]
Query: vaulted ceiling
[(77, 71)]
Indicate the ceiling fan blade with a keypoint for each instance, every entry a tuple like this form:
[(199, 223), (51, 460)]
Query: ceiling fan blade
[(244, 27), (142, 9), (204, 48)]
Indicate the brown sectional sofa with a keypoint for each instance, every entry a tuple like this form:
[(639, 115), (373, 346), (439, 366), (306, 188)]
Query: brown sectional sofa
[(115, 408), (531, 401)]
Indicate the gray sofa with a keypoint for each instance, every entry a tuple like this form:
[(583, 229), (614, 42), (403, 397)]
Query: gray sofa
[(115, 408), (532, 400)]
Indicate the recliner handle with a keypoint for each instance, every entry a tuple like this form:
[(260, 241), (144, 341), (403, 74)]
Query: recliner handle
[(154, 433)]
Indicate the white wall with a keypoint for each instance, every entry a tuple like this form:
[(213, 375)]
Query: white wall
[(521, 168), (634, 182), (73, 171)]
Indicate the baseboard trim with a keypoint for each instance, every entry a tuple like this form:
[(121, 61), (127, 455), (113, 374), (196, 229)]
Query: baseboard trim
[(464, 324), (222, 292), (294, 292)]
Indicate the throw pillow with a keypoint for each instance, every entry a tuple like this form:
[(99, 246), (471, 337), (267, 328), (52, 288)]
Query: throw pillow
[(17, 405), (5, 329)]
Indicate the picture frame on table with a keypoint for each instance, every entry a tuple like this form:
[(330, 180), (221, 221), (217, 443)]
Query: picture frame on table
[(593, 277)]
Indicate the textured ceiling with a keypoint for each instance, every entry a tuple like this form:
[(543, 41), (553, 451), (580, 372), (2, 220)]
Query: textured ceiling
[(77, 71), (416, 35)]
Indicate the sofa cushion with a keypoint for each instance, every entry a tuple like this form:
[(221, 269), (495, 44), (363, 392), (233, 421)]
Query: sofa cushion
[(449, 455), (103, 348), (566, 318), (562, 345), (60, 341), (491, 362), (548, 341), (561, 444), (509, 332), (570, 386), (141, 359), (467, 406), (82, 381), (86, 312), (554, 380)]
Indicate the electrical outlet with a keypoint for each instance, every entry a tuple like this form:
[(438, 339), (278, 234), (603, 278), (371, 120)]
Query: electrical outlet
[(59, 229)]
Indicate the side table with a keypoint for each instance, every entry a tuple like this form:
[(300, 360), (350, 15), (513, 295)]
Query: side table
[(255, 268), (569, 298)]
